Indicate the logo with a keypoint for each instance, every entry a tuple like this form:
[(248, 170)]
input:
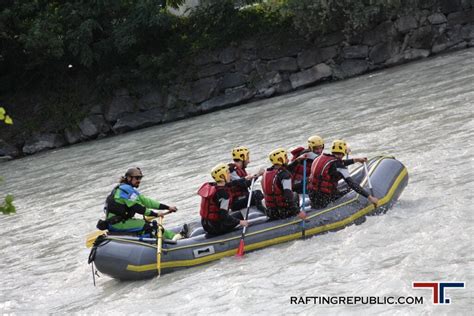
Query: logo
[(439, 290)]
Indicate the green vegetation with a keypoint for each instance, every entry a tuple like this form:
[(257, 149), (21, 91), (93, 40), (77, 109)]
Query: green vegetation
[(52, 44), (7, 207), (4, 117), (313, 18)]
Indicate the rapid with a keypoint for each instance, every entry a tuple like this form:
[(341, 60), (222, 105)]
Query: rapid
[(421, 113)]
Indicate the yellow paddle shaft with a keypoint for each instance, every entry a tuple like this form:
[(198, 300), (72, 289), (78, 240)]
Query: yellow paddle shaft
[(159, 244)]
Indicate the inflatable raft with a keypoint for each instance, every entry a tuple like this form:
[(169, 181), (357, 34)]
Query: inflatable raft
[(133, 258)]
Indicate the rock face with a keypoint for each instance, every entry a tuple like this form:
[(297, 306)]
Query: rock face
[(356, 52), (231, 98), (232, 79), (228, 55), (310, 76), (383, 51), (138, 120), (312, 57), (382, 33), (406, 23), (437, 18), (42, 142), (72, 135), (262, 68), (151, 100), (8, 151), (285, 64), (93, 125), (350, 68), (120, 105)]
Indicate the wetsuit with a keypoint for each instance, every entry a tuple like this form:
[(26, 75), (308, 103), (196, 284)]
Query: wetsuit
[(240, 192), (122, 204)]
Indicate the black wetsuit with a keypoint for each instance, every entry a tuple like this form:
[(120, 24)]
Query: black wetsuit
[(241, 201)]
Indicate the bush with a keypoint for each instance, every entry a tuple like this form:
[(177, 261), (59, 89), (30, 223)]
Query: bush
[(220, 23), (312, 18), (7, 207)]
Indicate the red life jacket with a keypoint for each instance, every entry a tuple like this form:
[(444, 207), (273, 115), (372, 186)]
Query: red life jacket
[(296, 152), (238, 191), (209, 204), (240, 171), (299, 169), (320, 180), (272, 189)]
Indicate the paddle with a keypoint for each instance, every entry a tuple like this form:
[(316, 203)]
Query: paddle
[(303, 224), (159, 244), (150, 218), (91, 237), (240, 250)]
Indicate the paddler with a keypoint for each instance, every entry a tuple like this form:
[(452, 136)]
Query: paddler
[(216, 199), (125, 201), (240, 193), (280, 200), (327, 170), (314, 150)]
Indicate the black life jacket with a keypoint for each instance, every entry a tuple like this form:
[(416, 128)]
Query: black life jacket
[(121, 212)]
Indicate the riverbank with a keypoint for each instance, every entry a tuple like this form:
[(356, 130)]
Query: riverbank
[(240, 73)]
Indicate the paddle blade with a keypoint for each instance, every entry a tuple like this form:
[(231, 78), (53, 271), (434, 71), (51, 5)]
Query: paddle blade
[(91, 237), (240, 251)]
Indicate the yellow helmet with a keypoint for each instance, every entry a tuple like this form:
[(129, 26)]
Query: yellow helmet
[(315, 141), (339, 146), (219, 172), (240, 153), (278, 156)]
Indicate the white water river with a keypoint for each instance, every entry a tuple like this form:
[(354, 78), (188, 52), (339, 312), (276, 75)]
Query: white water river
[(422, 113)]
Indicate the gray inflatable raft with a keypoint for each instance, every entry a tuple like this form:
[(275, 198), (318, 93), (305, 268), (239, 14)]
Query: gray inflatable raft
[(133, 258)]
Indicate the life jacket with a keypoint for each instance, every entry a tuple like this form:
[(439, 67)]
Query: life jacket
[(209, 204), (320, 180), (272, 189), (299, 169), (296, 152), (238, 191), (121, 212), (240, 171)]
